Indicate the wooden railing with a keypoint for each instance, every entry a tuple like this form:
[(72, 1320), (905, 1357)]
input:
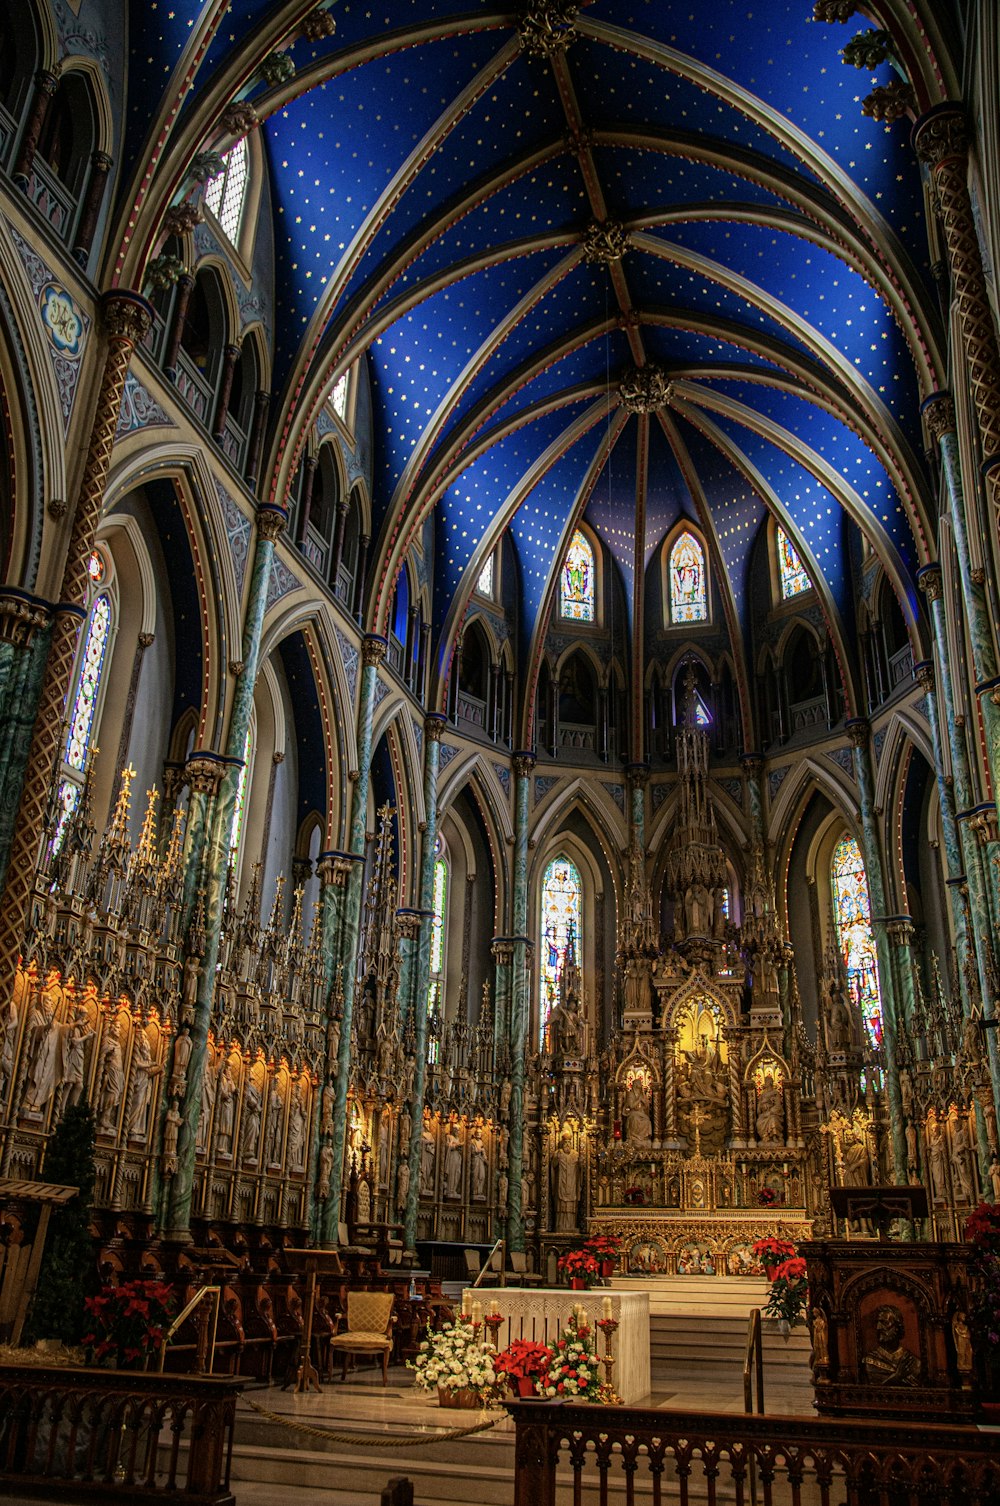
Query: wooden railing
[(111, 1435), (753, 1364), (628, 1454)]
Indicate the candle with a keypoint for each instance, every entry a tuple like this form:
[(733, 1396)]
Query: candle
[(477, 1313), (466, 1304), (606, 1309), (583, 1321)]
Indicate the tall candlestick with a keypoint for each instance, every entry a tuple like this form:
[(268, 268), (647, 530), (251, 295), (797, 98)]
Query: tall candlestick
[(606, 1310)]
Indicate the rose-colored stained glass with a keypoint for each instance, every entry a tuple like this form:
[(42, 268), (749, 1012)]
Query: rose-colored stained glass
[(562, 906), (577, 593), (794, 578), (688, 593)]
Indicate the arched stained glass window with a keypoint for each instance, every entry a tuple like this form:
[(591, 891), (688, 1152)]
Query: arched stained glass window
[(576, 596), (853, 918), (794, 578), (688, 589), (224, 194), (338, 397), (562, 909), (484, 585), (80, 733), (435, 989)]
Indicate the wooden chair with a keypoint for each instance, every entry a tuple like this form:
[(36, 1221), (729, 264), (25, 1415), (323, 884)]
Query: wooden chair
[(369, 1329), (474, 1268), (520, 1273)]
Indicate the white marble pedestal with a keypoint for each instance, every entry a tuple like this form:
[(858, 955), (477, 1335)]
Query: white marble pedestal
[(542, 1313)]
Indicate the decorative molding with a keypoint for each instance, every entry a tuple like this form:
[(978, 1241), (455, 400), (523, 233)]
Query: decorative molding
[(282, 581), (51, 297), (775, 779), (238, 529), (844, 759), (544, 783), (615, 790), (503, 774), (140, 410), (349, 658)]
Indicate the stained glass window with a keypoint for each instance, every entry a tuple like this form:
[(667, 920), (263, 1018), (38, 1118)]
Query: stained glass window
[(439, 903), (484, 585), (688, 593), (69, 799), (236, 830), (81, 722), (338, 396), (794, 579), (577, 593), (702, 715), (224, 194), (852, 914), (562, 905)]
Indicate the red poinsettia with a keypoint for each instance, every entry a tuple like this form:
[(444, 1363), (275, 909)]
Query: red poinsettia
[(129, 1321), (604, 1246), (523, 1358)]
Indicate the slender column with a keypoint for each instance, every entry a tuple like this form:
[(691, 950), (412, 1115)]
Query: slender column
[(100, 166), (337, 556), (218, 826), (359, 582), (900, 931), (46, 85), (638, 778), (372, 653), (24, 638), (502, 954), (230, 356), (261, 406), (520, 1003), (753, 774), (433, 728), (941, 140), (309, 468), (637, 739), (954, 862), (126, 319), (185, 287), (859, 732)]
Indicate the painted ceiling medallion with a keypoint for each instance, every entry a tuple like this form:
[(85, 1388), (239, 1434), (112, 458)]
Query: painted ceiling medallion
[(605, 242), (62, 322), (645, 389)]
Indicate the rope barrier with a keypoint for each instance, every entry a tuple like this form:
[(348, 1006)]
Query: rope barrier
[(362, 1440)]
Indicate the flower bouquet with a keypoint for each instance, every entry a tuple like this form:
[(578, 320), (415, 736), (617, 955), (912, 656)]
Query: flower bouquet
[(525, 1364), (580, 1267), (458, 1363), (789, 1292), (128, 1323), (771, 1251), (573, 1371), (605, 1249)]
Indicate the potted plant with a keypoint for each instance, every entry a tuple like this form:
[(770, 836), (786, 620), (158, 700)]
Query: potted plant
[(580, 1267), (457, 1362), (128, 1323), (789, 1293), (525, 1364), (573, 1371), (771, 1251), (605, 1249)]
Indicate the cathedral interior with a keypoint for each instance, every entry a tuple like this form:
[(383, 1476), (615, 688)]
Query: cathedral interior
[(499, 700)]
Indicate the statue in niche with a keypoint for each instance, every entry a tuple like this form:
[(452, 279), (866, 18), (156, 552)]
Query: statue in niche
[(566, 1185), (171, 1131), (297, 1132), (698, 908), (961, 1160), (209, 1082), (75, 1047), (325, 1171), (937, 1159), (428, 1151), (326, 1109), (275, 1115), (855, 1159), (182, 1057), (143, 1070), (253, 1105), (770, 1112), (454, 1146), (638, 1125), (46, 1047), (889, 1363), (225, 1094), (402, 1183), (9, 1048), (111, 1081), (477, 1166)]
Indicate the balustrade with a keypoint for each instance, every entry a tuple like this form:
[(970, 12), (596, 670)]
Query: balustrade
[(621, 1453)]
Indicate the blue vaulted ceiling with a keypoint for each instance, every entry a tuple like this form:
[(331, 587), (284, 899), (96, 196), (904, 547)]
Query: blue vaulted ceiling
[(434, 181)]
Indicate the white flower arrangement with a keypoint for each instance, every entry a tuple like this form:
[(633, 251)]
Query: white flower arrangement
[(455, 1359), (574, 1368)]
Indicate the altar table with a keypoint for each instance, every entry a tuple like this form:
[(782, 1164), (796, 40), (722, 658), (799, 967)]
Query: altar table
[(541, 1313)]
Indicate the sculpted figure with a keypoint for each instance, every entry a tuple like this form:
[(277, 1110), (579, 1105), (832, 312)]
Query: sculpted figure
[(326, 1109), (182, 1056), (8, 1050), (963, 1343), (402, 1183), (47, 1053), (297, 1133), (454, 1145), (144, 1069), (889, 1364), (638, 1125), (770, 1113), (820, 1338), (565, 1185), (325, 1168), (171, 1130), (111, 1082), (226, 1111), (427, 1153), (937, 1160), (74, 1050), (961, 1160), (275, 1106), (253, 1105), (478, 1168), (856, 1162)]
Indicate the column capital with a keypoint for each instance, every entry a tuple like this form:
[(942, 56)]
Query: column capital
[(858, 730), (126, 316), (502, 948), (929, 581), (753, 764), (637, 774), (939, 414), (924, 674), (271, 521), (21, 615), (238, 118), (408, 923), (373, 649), (203, 772), (900, 929), (434, 725), (180, 220), (941, 134), (334, 867), (524, 762)]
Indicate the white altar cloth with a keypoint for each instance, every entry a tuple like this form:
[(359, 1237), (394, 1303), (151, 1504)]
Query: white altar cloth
[(541, 1313)]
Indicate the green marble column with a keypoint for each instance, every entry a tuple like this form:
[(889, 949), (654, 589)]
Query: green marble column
[(372, 652), (501, 996), (217, 831), (520, 1002), (26, 670), (421, 967), (859, 732), (967, 815), (753, 774), (954, 861), (638, 777)]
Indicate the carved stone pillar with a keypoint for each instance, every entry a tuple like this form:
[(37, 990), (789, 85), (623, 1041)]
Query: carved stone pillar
[(941, 139), (126, 318), (261, 406), (520, 1002), (46, 84), (182, 297), (309, 467), (100, 166)]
